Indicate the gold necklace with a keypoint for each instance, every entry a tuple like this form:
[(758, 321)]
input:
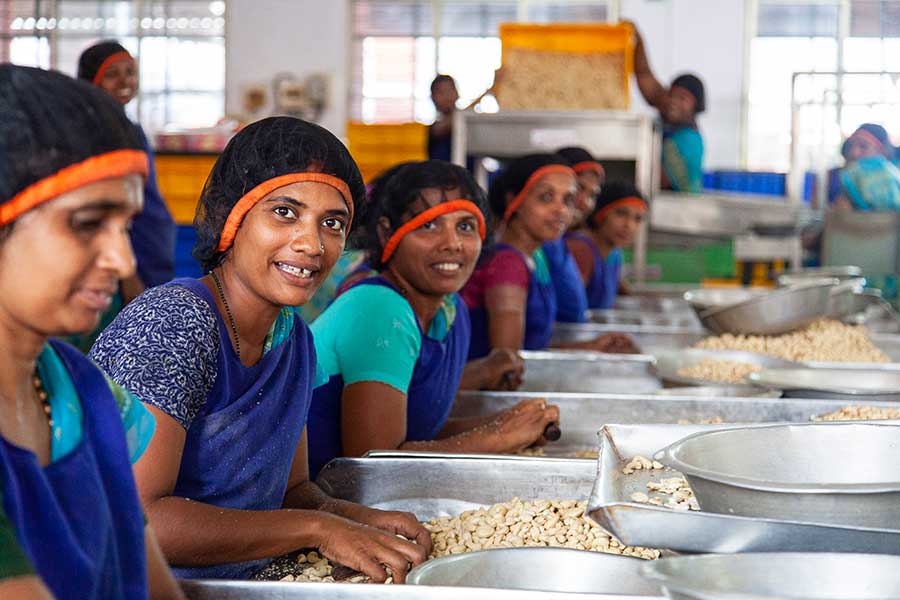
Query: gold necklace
[(43, 396), (237, 339)]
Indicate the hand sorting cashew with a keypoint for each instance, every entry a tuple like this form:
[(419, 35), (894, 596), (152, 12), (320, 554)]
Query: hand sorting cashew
[(822, 341)]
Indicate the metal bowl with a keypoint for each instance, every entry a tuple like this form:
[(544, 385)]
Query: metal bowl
[(806, 576), (837, 473), (774, 313), (830, 383), (542, 569), (670, 362), (804, 275), (706, 298)]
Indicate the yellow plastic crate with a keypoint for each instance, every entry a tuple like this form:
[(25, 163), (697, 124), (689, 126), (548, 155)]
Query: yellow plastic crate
[(572, 39), (378, 147), (181, 178)]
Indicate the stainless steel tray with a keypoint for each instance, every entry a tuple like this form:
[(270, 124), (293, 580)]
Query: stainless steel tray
[(810, 576), (259, 590), (587, 372), (645, 525), (873, 384), (644, 319), (718, 391), (811, 472), (582, 415), (670, 362), (446, 485), (547, 569), (668, 337), (658, 304)]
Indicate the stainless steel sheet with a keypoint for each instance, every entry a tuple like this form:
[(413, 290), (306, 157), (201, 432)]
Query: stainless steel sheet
[(645, 525), (258, 590), (643, 337), (669, 363), (644, 319), (830, 383)]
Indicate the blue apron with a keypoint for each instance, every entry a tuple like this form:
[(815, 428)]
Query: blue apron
[(429, 398), (79, 519), (603, 284), (153, 232), (571, 301), (240, 447), (540, 312)]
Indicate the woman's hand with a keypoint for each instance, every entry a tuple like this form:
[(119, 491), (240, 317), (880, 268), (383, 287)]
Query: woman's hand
[(392, 521), (367, 549), (501, 370), (615, 343), (523, 425)]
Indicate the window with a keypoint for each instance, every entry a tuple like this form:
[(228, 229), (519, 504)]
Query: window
[(398, 48), (180, 46), (845, 57)]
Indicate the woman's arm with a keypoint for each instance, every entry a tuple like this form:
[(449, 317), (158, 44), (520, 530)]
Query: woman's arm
[(651, 89), (159, 577), (505, 305), (583, 257), (28, 587), (501, 370)]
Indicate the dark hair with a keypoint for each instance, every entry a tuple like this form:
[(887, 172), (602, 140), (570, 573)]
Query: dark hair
[(259, 152), (441, 79), (575, 155), (879, 133), (612, 192), (694, 85), (90, 60), (49, 121), (513, 178), (398, 197)]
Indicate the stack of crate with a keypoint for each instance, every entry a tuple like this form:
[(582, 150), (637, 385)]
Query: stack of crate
[(378, 147)]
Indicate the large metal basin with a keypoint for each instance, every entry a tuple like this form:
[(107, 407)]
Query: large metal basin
[(669, 337), (801, 576), (670, 362), (836, 473), (706, 298), (541, 569), (774, 313), (830, 383), (587, 372), (804, 275)]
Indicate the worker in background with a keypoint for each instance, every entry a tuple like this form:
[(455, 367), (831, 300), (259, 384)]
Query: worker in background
[(394, 344), (678, 106), (510, 296), (869, 181), (228, 369), (444, 95), (71, 175), (110, 67), (612, 226)]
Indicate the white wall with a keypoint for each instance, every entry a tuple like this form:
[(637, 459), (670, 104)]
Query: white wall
[(267, 37), (705, 37)]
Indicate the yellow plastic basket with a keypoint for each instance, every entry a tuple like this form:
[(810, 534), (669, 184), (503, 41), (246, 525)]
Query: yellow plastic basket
[(573, 38), (378, 147)]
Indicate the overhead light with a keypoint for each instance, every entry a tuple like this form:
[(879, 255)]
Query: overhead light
[(217, 7)]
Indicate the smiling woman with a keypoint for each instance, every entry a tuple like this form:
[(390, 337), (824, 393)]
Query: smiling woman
[(71, 172), (228, 369), (394, 345)]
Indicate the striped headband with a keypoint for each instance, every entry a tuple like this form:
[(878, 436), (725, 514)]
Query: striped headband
[(530, 183)]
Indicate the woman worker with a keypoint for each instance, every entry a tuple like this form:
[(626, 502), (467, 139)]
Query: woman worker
[(110, 67), (71, 173), (228, 370), (869, 180), (678, 106), (510, 296), (394, 345)]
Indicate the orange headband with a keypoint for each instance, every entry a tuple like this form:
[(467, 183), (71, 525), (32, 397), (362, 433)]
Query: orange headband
[(589, 165), (430, 215), (249, 200), (117, 163), (530, 183), (108, 63), (627, 201)]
